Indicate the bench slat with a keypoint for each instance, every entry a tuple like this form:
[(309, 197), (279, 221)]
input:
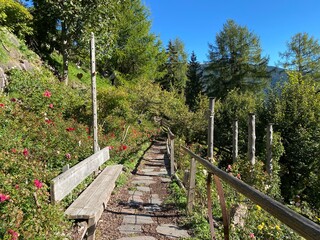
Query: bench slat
[(63, 184), (91, 203)]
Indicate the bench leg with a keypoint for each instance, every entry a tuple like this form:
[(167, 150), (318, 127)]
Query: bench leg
[(91, 229)]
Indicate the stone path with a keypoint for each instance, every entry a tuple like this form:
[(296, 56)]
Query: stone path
[(139, 211)]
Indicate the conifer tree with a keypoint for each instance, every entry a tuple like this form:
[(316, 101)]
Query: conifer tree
[(136, 52), (176, 66), (302, 55), (194, 85), (235, 61)]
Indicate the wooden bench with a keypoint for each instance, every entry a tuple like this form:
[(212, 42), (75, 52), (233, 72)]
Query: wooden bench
[(93, 200)]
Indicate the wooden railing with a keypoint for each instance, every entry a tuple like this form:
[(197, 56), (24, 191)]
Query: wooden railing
[(303, 226), (298, 223)]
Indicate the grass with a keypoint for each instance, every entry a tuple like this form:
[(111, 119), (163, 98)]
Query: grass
[(4, 47), (77, 75)]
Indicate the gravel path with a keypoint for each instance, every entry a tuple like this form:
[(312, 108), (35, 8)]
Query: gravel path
[(138, 211)]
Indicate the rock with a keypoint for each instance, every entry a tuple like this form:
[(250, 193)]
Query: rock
[(238, 213), (172, 231), (3, 80), (25, 65)]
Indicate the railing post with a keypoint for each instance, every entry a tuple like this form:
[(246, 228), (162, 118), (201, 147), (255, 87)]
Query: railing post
[(252, 139), (235, 141), (191, 187), (172, 155), (210, 157), (217, 181), (269, 148), (302, 225), (211, 129), (94, 94)]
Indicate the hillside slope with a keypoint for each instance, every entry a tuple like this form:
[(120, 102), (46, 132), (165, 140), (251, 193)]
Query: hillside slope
[(45, 125), (14, 54)]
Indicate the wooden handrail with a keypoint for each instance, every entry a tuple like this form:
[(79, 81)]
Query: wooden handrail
[(303, 226), (170, 133)]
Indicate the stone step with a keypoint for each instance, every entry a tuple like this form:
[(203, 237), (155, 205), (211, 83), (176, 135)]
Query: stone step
[(172, 231), (138, 238)]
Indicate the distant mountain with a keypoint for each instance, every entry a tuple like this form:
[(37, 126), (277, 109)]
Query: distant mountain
[(278, 75)]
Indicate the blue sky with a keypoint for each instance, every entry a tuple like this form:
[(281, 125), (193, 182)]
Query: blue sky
[(196, 23)]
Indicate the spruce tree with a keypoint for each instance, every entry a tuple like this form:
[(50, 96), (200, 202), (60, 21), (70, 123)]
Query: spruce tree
[(176, 67), (194, 85)]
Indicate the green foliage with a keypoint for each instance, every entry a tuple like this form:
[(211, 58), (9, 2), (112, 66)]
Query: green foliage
[(177, 196), (136, 53), (254, 221), (42, 132), (45, 37), (194, 84), (70, 25), (4, 55), (29, 89), (236, 106), (235, 61), (295, 109), (302, 55), (260, 225), (15, 17), (176, 67), (13, 50), (37, 141), (125, 48)]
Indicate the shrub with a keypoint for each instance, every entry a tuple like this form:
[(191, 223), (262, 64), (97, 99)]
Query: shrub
[(40, 134), (295, 110), (15, 17)]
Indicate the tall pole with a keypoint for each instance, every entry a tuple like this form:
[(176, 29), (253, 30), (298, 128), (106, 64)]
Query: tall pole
[(269, 148), (210, 158), (252, 139), (216, 180), (235, 141), (94, 94), (211, 129)]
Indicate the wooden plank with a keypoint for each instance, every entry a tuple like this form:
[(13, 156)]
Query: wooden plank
[(63, 184), (92, 202), (305, 227)]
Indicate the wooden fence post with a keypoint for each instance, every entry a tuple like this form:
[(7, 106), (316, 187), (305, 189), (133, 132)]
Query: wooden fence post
[(252, 139), (210, 158), (94, 94), (211, 129), (235, 141), (172, 155), (269, 148), (192, 184)]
